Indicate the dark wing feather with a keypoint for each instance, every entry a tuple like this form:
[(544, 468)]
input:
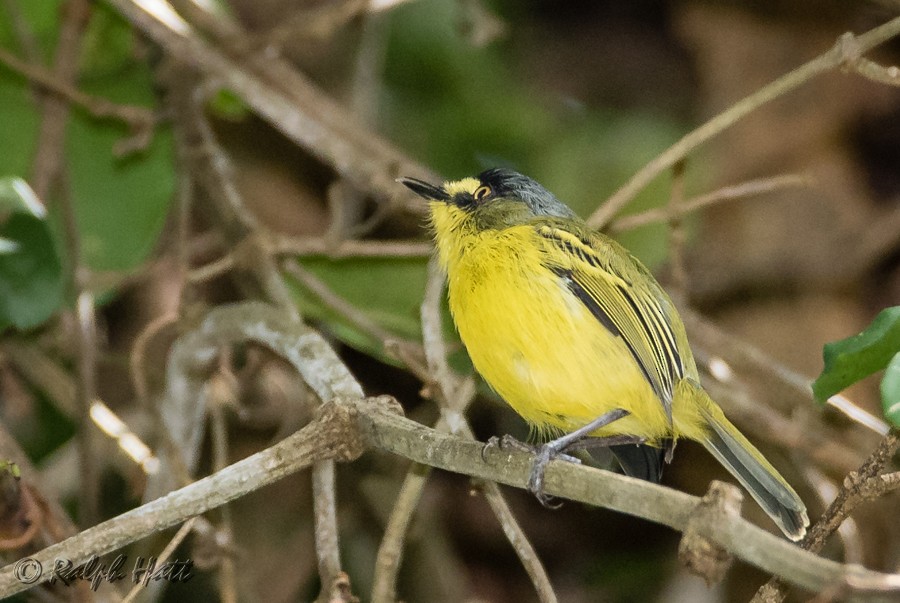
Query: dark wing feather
[(596, 271)]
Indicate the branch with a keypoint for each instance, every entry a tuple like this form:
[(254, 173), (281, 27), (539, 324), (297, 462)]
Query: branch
[(292, 104), (832, 59), (332, 435), (48, 159), (346, 427), (140, 120), (859, 486), (743, 190), (352, 248)]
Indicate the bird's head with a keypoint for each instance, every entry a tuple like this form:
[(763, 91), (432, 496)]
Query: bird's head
[(496, 198), (464, 211)]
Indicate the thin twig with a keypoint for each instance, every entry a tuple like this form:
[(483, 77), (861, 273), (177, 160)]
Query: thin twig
[(278, 93), (346, 202), (44, 373), (433, 338), (828, 61), (750, 188), (140, 120), (22, 31), (859, 486), (223, 395), (854, 62), (345, 428), (352, 248), (318, 288), (138, 354), (176, 541), (676, 233), (89, 500), (390, 550), (409, 352), (49, 155)]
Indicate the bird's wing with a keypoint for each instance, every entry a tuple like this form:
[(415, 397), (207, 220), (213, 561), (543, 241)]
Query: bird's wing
[(623, 296)]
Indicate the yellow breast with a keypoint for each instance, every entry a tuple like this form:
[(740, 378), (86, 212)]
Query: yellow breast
[(537, 345)]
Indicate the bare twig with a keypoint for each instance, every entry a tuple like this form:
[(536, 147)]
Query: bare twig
[(390, 550), (138, 352), (750, 188), (346, 427), (48, 158), (828, 61), (676, 232), (176, 541), (406, 351), (318, 288), (22, 31), (291, 103), (346, 202), (140, 120), (352, 248), (332, 435), (315, 246), (87, 393), (433, 338), (223, 385), (859, 486), (854, 62), (43, 373)]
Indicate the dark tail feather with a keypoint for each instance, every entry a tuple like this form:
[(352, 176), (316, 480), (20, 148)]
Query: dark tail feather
[(746, 463), (640, 461), (773, 495)]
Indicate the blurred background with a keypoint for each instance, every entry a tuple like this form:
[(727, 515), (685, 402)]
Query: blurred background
[(579, 95)]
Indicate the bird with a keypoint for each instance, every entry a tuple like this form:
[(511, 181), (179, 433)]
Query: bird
[(578, 337)]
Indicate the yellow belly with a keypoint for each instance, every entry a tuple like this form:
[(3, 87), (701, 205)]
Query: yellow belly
[(541, 349)]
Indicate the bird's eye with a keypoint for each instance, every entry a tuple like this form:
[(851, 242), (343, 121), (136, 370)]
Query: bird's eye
[(481, 193)]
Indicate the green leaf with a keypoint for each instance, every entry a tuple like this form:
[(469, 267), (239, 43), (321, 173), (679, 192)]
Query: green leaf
[(120, 203), (890, 391), (849, 360), (31, 277)]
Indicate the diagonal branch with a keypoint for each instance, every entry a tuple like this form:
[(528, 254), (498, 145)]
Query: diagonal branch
[(286, 99), (834, 58), (348, 426)]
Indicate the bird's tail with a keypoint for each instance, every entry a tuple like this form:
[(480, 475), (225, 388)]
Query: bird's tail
[(749, 466)]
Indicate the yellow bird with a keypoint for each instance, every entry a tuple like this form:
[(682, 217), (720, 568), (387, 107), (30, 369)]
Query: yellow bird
[(577, 336)]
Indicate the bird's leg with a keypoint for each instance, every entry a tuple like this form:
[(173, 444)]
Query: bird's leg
[(554, 448)]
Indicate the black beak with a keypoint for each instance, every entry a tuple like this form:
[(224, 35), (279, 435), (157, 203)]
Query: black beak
[(425, 190)]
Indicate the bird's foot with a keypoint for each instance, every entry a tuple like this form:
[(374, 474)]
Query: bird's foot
[(544, 453)]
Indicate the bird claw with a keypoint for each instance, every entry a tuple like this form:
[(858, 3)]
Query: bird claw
[(543, 455), (493, 442), (507, 441)]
